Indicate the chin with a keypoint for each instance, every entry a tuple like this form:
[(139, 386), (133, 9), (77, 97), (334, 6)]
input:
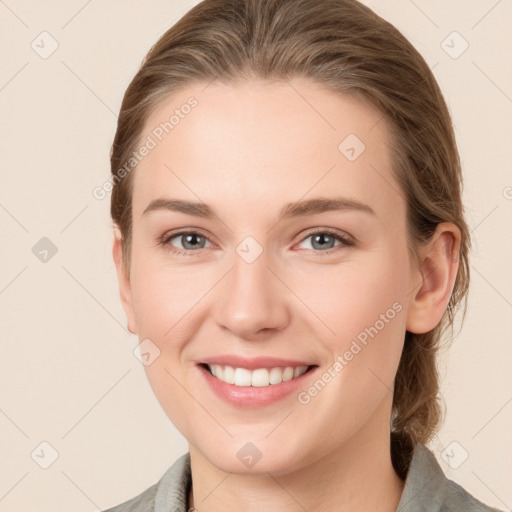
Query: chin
[(253, 458)]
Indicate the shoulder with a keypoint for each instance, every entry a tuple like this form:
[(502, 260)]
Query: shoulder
[(144, 502), (428, 488), (171, 491), (457, 498)]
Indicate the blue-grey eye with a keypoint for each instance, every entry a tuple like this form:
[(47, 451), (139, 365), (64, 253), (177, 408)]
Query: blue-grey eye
[(191, 241), (322, 241)]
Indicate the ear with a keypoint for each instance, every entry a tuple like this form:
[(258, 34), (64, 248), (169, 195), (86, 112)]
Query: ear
[(436, 279), (124, 280)]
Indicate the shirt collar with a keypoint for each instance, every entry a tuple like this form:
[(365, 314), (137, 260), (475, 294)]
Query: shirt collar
[(174, 486), (424, 490), (425, 483)]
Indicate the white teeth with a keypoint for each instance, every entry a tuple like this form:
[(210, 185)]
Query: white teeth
[(229, 375), (276, 376), (242, 377), (258, 378), (288, 373), (297, 372)]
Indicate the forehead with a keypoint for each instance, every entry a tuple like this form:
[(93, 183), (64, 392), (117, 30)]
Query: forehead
[(264, 143)]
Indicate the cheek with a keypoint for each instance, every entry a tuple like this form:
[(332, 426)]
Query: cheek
[(378, 319), (349, 296), (167, 305), (362, 308), (164, 297), (364, 311)]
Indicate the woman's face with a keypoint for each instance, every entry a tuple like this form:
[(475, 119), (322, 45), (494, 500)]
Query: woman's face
[(304, 259)]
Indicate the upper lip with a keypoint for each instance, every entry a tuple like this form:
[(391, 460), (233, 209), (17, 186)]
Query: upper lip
[(252, 363)]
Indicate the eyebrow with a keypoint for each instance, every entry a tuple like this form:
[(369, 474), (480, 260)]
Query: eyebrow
[(290, 210)]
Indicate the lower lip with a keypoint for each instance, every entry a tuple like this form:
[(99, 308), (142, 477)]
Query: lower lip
[(253, 396)]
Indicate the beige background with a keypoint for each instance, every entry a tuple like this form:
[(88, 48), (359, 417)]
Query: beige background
[(68, 374)]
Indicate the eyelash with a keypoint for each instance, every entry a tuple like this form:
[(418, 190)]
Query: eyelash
[(165, 240)]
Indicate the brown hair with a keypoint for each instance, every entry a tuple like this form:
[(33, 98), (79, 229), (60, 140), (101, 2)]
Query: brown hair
[(346, 47)]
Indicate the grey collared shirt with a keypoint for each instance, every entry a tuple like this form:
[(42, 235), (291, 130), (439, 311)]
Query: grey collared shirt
[(427, 489)]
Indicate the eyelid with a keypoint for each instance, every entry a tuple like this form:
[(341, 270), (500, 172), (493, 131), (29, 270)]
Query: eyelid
[(165, 239), (345, 239), (329, 231)]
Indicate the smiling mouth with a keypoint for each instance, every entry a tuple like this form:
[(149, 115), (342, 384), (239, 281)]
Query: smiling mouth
[(260, 377)]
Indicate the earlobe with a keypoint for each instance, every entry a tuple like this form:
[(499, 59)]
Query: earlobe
[(124, 281), (437, 274)]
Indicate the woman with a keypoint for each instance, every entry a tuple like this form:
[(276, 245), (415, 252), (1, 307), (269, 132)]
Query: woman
[(290, 245)]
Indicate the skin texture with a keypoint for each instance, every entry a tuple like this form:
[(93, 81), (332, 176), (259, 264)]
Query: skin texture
[(247, 150)]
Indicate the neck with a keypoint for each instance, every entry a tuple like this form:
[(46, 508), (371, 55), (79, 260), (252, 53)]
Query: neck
[(357, 476)]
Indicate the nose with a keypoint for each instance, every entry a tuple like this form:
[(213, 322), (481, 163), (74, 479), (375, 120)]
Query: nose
[(252, 301)]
